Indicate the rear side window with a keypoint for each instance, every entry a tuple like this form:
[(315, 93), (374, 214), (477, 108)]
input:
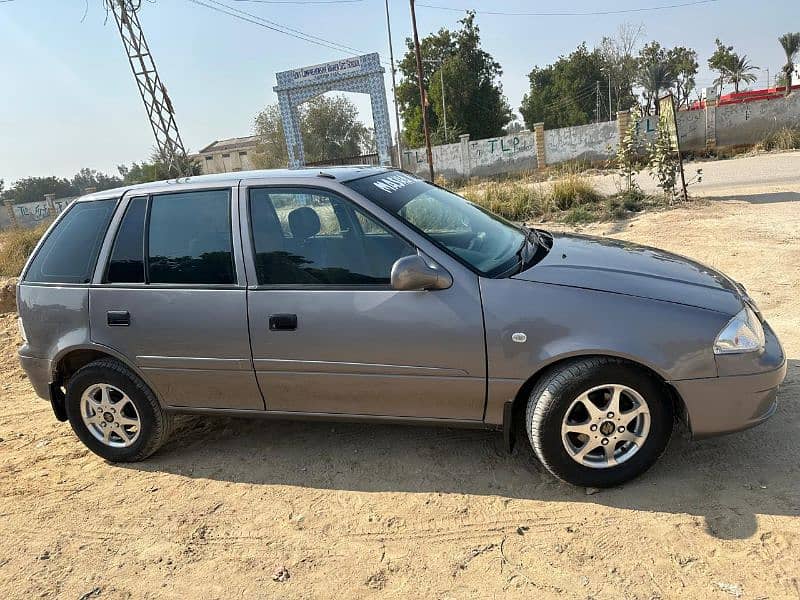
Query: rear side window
[(69, 253), (189, 238), (127, 257)]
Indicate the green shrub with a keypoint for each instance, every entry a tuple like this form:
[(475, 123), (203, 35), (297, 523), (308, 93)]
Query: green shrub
[(579, 214), (573, 190), (15, 247)]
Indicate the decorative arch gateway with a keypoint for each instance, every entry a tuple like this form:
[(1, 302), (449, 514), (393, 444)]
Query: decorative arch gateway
[(363, 74)]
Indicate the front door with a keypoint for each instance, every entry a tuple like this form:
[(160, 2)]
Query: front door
[(330, 335), (172, 299)]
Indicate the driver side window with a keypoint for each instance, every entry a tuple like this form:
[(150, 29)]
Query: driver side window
[(314, 237)]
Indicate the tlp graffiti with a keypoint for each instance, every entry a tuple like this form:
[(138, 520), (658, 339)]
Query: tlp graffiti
[(503, 145), (38, 211)]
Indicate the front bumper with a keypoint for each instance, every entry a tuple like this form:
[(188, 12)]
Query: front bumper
[(730, 403), (40, 374)]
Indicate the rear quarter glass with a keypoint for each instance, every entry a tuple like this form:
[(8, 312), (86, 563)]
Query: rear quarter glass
[(69, 253)]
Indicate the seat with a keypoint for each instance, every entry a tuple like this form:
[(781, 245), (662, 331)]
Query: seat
[(304, 224)]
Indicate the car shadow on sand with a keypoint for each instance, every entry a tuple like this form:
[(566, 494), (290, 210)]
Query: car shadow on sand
[(728, 481)]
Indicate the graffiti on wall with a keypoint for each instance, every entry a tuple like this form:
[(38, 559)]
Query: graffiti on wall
[(38, 211), (31, 214), (582, 142), (504, 146)]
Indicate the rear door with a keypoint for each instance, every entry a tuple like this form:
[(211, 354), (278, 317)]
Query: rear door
[(330, 335), (172, 297)]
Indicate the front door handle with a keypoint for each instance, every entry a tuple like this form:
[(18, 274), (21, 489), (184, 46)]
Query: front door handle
[(282, 322), (118, 318)]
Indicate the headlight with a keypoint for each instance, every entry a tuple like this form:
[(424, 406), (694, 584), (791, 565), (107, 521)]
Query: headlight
[(21, 328), (743, 333)]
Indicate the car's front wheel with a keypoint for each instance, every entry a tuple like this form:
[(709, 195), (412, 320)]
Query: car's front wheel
[(598, 422), (114, 413)]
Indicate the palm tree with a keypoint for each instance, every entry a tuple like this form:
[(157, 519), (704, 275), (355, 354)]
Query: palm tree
[(654, 77), (740, 71), (791, 46)]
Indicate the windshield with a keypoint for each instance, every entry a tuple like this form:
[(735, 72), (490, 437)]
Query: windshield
[(488, 243)]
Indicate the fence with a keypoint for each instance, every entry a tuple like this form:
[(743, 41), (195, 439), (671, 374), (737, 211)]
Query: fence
[(710, 127)]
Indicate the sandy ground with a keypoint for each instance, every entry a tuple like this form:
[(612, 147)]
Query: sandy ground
[(353, 511)]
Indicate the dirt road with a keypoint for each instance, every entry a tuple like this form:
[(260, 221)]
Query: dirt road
[(762, 178), (357, 511)]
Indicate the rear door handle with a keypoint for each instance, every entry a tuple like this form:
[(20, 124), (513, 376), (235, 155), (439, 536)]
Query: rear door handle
[(118, 318), (282, 322)]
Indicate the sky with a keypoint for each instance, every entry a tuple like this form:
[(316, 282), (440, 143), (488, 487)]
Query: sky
[(68, 99)]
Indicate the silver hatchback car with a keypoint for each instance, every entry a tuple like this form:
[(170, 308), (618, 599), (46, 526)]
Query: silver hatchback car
[(365, 293)]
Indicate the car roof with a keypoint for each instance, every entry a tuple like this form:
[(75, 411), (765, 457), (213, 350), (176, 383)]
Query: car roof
[(340, 174)]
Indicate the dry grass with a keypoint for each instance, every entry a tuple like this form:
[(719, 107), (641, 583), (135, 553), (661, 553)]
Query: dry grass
[(572, 198), (572, 191), (15, 247), (785, 138)]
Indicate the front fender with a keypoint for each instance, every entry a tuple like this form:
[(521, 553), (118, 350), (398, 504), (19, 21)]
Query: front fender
[(559, 322)]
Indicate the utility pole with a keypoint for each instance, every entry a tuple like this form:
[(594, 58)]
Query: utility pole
[(597, 103), (609, 95), (422, 101), (394, 89), (151, 89)]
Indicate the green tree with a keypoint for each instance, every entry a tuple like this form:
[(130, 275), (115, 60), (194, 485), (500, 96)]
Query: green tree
[(683, 66), (565, 93), (740, 71), (156, 169), (722, 61), (33, 189), (330, 128), (655, 74), (89, 178), (473, 95), (790, 42)]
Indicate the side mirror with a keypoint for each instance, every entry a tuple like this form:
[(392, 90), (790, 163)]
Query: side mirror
[(414, 273)]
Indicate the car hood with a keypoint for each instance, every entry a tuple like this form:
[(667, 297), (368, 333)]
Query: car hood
[(619, 267)]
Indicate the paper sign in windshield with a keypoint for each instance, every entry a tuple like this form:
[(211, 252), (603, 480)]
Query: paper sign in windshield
[(392, 183)]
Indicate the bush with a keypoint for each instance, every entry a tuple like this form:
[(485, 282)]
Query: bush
[(573, 190), (15, 247), (514, 201), (785, 138), (579, 214)]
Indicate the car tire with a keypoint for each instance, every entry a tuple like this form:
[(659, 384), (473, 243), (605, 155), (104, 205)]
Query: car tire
[(114, 413), (581, 445)]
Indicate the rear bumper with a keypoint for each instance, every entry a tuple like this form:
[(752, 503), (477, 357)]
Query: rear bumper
[(39, 373), (720, 405)]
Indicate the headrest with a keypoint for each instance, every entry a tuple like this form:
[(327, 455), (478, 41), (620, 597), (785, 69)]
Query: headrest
[(304, 223)]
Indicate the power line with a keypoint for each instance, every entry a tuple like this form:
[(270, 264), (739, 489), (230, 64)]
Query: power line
[(273, 26), (572, 13)]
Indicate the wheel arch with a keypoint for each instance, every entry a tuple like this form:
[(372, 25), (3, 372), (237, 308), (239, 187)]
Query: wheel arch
[(514, 416), (69, 360)]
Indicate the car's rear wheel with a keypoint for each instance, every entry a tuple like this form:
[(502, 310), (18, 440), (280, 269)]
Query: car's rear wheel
[(598, 422), (114, 413)]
